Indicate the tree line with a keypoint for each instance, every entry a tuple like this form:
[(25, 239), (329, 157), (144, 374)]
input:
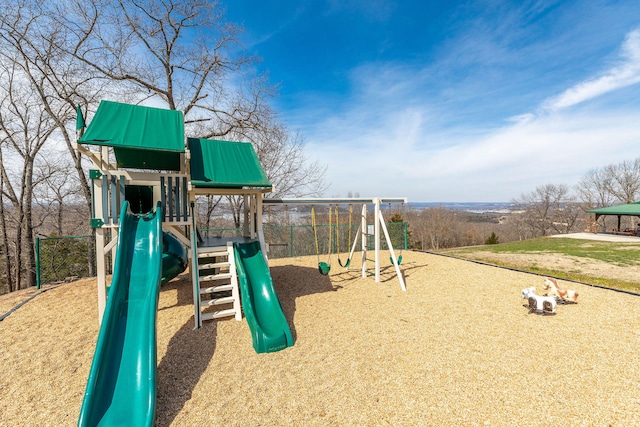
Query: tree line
[(179, 54), (546, 210)]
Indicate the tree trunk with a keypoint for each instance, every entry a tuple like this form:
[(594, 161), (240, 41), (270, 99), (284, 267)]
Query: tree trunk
[(5, 239)]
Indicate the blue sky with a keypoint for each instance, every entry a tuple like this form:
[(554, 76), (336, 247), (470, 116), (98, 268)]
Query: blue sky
[(444, 101)]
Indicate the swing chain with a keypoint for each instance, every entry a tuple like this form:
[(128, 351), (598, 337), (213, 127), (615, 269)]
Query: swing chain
[(315, 230)]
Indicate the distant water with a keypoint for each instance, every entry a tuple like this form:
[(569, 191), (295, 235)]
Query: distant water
[(475, 207)]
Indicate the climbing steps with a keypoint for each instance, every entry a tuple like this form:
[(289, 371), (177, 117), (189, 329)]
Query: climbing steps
[(218, 293)]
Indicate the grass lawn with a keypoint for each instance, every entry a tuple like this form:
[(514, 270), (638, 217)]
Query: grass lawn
[(534, 255)]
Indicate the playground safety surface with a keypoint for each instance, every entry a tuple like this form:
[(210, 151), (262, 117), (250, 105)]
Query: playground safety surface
[(458, 348)]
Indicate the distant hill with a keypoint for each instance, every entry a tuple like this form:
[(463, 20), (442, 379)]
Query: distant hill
[(475, 207)]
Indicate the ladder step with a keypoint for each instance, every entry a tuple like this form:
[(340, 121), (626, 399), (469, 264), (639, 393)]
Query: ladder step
[(213, 265), (213, 289), (218, 314), (215, 277), (217, 301), (213, 252)]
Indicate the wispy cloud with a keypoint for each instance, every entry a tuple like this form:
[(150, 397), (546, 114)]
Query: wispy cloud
[(283, 25), (623, 74), (393, 129), (401, 156)]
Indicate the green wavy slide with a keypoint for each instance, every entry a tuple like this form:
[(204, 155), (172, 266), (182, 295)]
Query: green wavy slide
[(269, 328), (121, 389)]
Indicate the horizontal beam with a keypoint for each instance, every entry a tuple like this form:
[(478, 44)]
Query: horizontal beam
[(333, 201), (203, 191)]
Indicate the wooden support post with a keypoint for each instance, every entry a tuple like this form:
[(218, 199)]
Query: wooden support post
[(195, 277), (393, 254), (163, 198), (100, 206), (260, 230), (246, 231), (365, 238), (170, 197), (114, 200), (376, 238)]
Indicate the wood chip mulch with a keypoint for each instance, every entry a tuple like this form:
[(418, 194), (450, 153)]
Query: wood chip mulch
[(458, 348)]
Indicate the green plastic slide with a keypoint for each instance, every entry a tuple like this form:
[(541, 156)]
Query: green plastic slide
[(121, 389), (269, 328)]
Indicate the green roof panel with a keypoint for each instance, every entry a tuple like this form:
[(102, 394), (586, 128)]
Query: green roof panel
[(142, 137), (628, 209), (225, 164)]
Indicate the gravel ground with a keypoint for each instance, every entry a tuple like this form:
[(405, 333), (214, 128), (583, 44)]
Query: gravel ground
[(458, 348)]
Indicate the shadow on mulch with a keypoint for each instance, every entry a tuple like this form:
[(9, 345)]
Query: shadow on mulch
[(185, 292), (188, 356), (388, 273), (291, 282)]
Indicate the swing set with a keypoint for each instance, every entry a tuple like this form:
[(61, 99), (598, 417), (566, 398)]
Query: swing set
[(364, 234)]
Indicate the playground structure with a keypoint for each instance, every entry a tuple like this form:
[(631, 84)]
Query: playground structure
[(145, 178), (364, 233)]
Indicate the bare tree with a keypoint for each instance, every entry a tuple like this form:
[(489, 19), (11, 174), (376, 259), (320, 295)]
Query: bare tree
[(57, 190), (33, 37), (593, 189), (548, 209), (623, 180), (185, 55), (181, 53), (614, 183), (281, 153), (206, 206), (432, 228), (24, 129), (8, 281)]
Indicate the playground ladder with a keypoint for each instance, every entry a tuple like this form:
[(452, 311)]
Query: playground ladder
[(218, 283)]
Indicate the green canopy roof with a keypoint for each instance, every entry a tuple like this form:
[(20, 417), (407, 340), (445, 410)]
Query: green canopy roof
[(142, 137), (628, 209), (225, 164)]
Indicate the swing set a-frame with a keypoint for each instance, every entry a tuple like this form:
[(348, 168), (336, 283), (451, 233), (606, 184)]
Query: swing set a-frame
[(365, 232)]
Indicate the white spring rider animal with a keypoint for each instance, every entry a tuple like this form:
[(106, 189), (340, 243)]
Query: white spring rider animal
[(539, 304), (562, 295)]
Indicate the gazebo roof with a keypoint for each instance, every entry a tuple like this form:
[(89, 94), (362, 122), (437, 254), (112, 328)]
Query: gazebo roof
[(632, 209)]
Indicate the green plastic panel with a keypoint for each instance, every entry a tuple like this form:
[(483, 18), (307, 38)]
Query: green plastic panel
[(225, 164), (96, 223), (269, 328), (121, 389), (142, 137)]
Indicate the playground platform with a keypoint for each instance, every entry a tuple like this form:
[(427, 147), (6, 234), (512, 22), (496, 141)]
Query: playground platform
[(216, 241)]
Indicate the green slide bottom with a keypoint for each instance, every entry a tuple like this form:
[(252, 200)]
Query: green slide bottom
[(269, 328), (121, 389)]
